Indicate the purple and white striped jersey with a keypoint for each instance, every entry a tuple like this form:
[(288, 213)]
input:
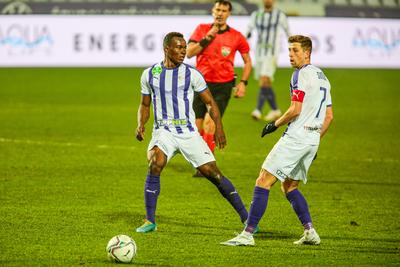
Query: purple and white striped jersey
[(172, 91), (268, 26)]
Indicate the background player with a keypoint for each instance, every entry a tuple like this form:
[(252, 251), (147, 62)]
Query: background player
[(170, 85), (308, 118), (215, 45), (268, 23)]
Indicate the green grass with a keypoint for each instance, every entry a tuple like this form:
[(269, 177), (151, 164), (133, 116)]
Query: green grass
[(72, 174)]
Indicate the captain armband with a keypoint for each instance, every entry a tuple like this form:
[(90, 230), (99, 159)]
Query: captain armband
[(298, 96)]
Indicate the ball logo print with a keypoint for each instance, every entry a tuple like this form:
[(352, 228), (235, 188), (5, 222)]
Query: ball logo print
[(121, 248)]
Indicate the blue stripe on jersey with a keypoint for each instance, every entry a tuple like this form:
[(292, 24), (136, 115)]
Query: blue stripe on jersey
[(162, 96), (154, 95), (268, 31), (260, 27), (185, 97), (175, 97), (275, 33), (295, 80)]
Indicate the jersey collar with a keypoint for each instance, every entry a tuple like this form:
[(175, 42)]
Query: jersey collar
[(223, 31)]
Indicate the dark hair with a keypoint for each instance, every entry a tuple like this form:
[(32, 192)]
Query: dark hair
[(224, 3), (169, 36), (305, 42)]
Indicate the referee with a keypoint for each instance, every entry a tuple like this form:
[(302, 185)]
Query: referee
[(215, 45)]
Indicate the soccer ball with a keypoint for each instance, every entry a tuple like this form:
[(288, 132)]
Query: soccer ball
[(121, 248)]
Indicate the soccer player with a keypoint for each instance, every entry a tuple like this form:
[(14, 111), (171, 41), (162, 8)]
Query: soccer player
[(308, 119), (169, 86), (215, 45), (268, 23)]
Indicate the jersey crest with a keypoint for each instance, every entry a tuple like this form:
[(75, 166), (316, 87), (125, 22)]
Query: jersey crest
[(225, 51), (156, 71)]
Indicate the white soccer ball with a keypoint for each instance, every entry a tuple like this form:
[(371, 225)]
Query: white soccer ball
[(121, 248)]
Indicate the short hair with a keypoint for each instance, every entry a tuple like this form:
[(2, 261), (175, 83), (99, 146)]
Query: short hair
[(305, 41), (224, 3), (168, 38)]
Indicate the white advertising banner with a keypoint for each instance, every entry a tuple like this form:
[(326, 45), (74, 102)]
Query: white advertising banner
[(137, 40)]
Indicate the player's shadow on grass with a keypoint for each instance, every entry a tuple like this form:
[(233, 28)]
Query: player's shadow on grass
[(275, 235), (136, 218), (221, 229)]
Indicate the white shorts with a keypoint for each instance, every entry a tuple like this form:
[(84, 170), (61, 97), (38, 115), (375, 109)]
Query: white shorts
[(289, 159), (190, 145), (265, 66)]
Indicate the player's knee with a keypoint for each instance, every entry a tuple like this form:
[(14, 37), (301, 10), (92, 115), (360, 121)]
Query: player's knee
[(155, 167), (288, 186), (265, 81), (156, 164), (284, 188), (263, 182), (211, 172)]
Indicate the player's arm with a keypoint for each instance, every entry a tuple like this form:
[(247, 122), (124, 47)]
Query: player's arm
[(241, 86), (251, 24), (291, 113), (143, 116), (327, 121), (213, 110), (195, 47)]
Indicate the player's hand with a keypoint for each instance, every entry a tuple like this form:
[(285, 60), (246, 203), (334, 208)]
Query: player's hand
[(140, 133), (212, 32), (240, 90), (269, 128), (219, 138)]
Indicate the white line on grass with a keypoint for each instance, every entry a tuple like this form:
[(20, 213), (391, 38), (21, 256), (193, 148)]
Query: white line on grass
[(45, 143)]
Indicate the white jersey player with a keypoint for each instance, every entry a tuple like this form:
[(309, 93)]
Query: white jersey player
[(309, 81), (269, 23), (170, 86), (308, 119)]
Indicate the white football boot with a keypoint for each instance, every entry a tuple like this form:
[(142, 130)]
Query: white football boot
[(273, 115), (310, 237), (256, 114), (242, 239)]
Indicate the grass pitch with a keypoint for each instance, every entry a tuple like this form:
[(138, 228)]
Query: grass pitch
[(72, 175)]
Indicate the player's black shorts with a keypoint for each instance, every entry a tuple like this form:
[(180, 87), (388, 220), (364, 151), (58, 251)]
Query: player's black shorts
[(220, 91)]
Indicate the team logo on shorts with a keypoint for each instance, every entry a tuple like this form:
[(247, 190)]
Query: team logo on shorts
[(156, 70), (225, 51), (280, 174)]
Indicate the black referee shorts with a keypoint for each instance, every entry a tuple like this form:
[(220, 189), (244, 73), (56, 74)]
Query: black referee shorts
[(220, 91)]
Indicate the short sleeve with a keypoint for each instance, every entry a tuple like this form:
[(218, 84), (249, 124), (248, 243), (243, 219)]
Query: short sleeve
[(243, 45), (144, 83), (198, 82), (197, 35), (303, 82)]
